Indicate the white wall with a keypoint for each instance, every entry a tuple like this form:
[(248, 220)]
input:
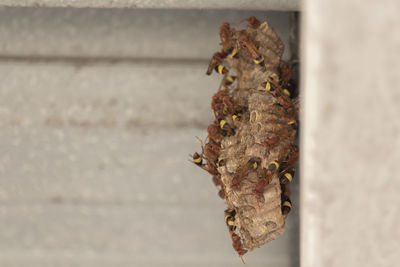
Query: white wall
[(351, 126)]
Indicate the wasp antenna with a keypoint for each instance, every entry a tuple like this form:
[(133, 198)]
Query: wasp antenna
[(201, 141)]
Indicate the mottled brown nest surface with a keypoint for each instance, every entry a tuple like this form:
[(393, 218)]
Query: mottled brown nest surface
[(255, 128)]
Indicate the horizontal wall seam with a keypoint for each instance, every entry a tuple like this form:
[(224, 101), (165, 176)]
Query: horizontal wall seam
[(82, 60)]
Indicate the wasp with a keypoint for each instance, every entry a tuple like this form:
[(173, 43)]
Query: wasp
[(238, 112), (221, 69), (222, 104), (219, 162), (286, 176), (293, 156), (267, 86), (228, 80), (286, 86), (287, 170), (230, 219), (210, 168), (286, 92), (237, 181), (286, 80), (216, 63), (293, 124), (270, 142), (233, 52), (197, 159), (273, 165), (238, 245), (237, 115), (226, 127), (245, 41), (228, 48), (210, 152), (252, 21), (252, 165), (264, 177), (236, 240), (214, 133), (217, 179), (285, 74), (286, 205), (226, 35), (282, 97), (221, 192)]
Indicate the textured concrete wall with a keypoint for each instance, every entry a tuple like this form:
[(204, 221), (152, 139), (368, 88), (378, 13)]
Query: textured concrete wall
[(351, 134), (120, 34), (99, 110), (282, 5)]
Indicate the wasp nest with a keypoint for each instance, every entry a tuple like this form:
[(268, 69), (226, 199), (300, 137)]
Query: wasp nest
[(249, 149)]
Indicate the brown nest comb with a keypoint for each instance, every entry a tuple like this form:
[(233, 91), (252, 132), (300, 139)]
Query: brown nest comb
[(250, 149)]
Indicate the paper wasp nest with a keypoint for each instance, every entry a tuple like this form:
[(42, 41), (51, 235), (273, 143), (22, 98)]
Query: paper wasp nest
[(249, 149)]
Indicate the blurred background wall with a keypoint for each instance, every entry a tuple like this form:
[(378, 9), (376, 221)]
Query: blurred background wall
[(99, 109), (350, 135)]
